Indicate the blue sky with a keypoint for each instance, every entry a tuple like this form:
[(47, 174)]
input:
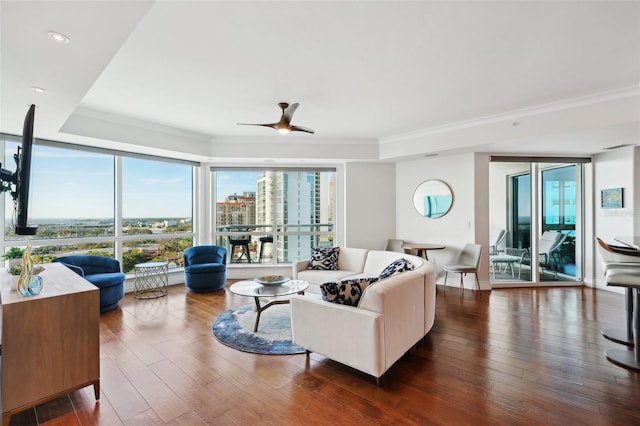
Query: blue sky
[(236, 182), (77, 184)]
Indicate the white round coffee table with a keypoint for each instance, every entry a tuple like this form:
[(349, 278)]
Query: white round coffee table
[(256, 290)]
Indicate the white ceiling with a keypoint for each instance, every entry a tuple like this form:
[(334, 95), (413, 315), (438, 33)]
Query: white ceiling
[(388, 80)]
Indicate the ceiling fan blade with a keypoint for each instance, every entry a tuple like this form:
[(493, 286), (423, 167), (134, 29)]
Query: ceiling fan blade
[(301, 129), (287, 114), (272, 125), (284, 125)]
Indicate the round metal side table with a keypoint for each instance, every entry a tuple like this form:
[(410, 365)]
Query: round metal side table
[(152, 280)]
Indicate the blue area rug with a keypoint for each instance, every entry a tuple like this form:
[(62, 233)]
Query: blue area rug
[(234, 328)]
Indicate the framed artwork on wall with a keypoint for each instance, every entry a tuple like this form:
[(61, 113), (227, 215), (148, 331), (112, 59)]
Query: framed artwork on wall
[(612, 198)]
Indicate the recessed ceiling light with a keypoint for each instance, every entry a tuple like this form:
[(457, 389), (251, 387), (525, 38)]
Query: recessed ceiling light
[(38, 89), (59, 37)]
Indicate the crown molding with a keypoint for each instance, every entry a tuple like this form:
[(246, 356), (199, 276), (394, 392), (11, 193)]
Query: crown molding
[(515, 115), (140, 124), (303, 139)]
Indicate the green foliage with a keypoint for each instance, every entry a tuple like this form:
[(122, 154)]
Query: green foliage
[(13, 253), (130, 258), (106, 253), (169, 250), (137, 231), (42, 258), (15, 270)]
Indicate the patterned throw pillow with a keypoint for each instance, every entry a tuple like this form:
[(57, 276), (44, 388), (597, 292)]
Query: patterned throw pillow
[(325, 258), (396, 267), (346, 292)]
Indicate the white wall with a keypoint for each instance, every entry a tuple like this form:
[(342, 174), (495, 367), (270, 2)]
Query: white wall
[(614, 169), (468, 221), (454, 229), (369, 204)]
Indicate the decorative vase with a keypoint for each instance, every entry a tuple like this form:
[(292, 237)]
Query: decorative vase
[(24, 280), (35, 285)]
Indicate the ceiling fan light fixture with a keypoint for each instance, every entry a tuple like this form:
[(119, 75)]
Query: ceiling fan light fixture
[(283, 129)]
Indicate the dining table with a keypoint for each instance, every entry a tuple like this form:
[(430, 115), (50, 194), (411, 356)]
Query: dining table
[(423, 248)]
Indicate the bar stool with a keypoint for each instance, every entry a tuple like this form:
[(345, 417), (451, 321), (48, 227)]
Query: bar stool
[(620, 257), (243, 243), (264, 240), (630, 279)]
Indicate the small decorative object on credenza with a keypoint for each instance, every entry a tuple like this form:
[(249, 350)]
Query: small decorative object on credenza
[(25, 275), (29, 284)]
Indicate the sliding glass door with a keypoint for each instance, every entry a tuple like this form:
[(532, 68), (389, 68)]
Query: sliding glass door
[(560, 213), (539, 205), (521, 210)]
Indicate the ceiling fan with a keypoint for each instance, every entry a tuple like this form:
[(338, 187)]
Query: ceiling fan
[(284, 125)]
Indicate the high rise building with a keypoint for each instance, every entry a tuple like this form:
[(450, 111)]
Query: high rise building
[(299, 203), (296, 196), (237, 209)]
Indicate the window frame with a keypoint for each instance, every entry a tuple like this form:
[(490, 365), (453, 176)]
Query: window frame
[(276, 233), (118, 238)]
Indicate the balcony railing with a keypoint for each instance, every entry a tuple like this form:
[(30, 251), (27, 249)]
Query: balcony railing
[(269, 243)]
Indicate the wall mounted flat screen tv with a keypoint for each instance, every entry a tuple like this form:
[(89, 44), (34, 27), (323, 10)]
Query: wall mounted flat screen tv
[(18, 183)]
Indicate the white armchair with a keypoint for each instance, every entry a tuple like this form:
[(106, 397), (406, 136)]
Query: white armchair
[(393, 314), (371, 337)]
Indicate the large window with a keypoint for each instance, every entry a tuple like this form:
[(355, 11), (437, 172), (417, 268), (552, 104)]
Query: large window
[(71, 193), (157, 219), (273, 215), (73, 201)]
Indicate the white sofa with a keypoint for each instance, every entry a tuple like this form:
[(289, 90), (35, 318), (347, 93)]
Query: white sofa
[(392, 316)]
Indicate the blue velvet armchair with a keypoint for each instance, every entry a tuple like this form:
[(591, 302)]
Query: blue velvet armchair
[(205, 268), (103, 272)]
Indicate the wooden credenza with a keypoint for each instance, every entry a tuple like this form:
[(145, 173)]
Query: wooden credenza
[(50, 343)]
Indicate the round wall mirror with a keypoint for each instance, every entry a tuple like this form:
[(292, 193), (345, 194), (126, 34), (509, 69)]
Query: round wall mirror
[(433, 198)]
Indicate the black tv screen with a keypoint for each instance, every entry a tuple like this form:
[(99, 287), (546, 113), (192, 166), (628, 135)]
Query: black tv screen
[(22, 176)]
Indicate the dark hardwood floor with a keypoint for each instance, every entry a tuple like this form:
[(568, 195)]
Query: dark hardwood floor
[(505, 357)]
